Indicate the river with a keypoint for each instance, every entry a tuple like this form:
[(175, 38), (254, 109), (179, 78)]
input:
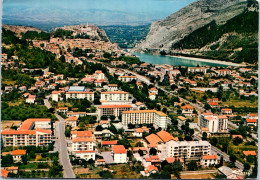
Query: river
[(177, 61)]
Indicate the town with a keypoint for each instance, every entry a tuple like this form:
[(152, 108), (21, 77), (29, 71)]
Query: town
[(75, 105)]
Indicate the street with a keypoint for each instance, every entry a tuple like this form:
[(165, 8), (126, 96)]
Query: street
[(61, 144)]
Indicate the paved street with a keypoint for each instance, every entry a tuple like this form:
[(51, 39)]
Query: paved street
[(63, 152), (47, 103), (61, 144)]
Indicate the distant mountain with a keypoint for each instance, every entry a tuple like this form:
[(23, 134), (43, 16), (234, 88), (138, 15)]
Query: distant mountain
[(207, 28)]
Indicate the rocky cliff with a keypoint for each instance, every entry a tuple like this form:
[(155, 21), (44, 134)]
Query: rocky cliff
[(165, 33)]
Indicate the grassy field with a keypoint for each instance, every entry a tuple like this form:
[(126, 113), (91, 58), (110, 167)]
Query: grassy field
[(8, 83), (240, 103), (197, 176), (16, 102), (9, 123)]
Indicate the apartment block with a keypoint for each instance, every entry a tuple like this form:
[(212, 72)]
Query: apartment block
[(187, 149), (116, 110), (213, 123), (115, 97), (33, 132), (157, 118)]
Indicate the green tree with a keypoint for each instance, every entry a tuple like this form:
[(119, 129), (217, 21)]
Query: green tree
[(153, 151), (192, 166), (232, 158), (7, 160)]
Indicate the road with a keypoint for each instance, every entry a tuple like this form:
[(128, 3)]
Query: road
[(62, 147), (61, 144), (199, 172)]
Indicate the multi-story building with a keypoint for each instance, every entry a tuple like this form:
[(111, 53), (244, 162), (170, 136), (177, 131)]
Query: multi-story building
[(187, 110), (197, 69), (126, 78), (157, 118), (187, 149), (115, 97), (83, 147), (31, 133), (213, 123), (112, 87), (115, 110), (80, 95)]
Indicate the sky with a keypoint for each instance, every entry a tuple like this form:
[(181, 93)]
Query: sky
[(47, 14)]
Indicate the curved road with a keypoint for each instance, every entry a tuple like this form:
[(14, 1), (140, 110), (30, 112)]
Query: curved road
[(61, 144)]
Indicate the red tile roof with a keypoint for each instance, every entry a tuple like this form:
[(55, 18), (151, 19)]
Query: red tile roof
[(4, 173), (82, 133), (18, 152), (44, 131), (119, 149), (109, 142), (234, 136), (139, 148), (82, 139), (187, 107), (151, 168), (28, 122), (18, 132), (89, 151), (208, 157), (165, 136), (251, 120), (153, 139), (115, 106), (172, 159), (247, 153)]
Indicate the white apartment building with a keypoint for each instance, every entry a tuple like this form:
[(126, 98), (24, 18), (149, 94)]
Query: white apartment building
[(157, 118), (31, 133), (187, 149), (197, 69), (55, 96), (119, 154), (126, 78), (99, 75), (115, 97), (83, 147), (116, 110), (80, 95), (213, 123)]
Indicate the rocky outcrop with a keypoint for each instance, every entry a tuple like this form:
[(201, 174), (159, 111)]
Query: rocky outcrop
[(164, 33)]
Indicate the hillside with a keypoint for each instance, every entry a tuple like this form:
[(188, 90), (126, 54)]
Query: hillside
[(237, 40), (193, 30)]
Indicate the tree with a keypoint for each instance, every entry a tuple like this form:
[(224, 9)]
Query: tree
[(221, 161), (246, 167), (177, 166), (112, 117), (24, 159), (192, 166), (237, 141), (99, 128), (153, 151), (165, 175), (140, 152), (204, 136), (214, 141), (104, 117), (232, 158), (7, 160), (131, 126), (164, 110)]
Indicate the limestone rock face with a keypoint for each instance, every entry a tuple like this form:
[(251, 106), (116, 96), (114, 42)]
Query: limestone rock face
[(164, 33)]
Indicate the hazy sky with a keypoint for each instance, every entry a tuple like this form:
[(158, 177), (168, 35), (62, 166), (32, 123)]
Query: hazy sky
[(51, 13)]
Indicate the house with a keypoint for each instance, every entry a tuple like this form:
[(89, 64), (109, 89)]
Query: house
[(12, 169), (71, 121), (153, 160), (138, 132), (181, 120), (153, 90), (119, 154), (226, 111), (17, 154), (150, 170), (153, 140), (171, 160), (237, 136), (252, 116), (104, 123), (251, 122), (109, 143), (55, 96), (187, 110), (100, 162), (126, 78), (137, 149), (62, 109), (209, 160), (152, 96)]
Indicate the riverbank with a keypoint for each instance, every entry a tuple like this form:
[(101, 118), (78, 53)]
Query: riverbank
[(209, 60)]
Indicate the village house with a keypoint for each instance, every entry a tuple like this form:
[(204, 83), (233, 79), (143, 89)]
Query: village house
[(83, 147), (127, 78), (209, 160), (119, 154), (109, 143), (187, 110), (71, 121)]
